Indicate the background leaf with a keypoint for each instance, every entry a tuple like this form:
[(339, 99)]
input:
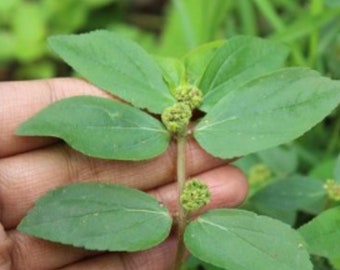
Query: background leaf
[(116, 64), (267, 111), (173, 71), (238, 61), (238, 239), (197, 60), (282, 161), (100, 217), (100, 127), (292, 194), (322, 234)]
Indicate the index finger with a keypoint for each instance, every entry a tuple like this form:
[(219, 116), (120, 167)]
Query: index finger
[(21, 100)]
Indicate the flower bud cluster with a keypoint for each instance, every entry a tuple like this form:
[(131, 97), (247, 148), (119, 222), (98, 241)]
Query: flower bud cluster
[(189, 94), (195, 195), (177, 117), (332, 189)]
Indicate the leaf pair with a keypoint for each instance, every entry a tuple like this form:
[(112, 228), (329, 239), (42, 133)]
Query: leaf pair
[(116, 218), (248, 107)]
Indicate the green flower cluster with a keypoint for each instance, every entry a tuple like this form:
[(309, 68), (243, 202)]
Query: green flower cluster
[(188, 94), (195, 195), (177, 117), (332, 189)]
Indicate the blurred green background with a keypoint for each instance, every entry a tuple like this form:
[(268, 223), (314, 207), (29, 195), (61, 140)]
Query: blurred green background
[(285, 182), (311, 27)]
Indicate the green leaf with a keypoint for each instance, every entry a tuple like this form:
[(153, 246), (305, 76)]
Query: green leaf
[(267, 111), (99, 217), (237, 62), (173, 71), (100, 127), (285, 215), (282, 161), (117, 65), (322, 234), (197, 60), (238, 239), (323, 169), (293, 193)]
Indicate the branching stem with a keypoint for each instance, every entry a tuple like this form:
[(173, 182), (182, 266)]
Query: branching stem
[(182, 215)]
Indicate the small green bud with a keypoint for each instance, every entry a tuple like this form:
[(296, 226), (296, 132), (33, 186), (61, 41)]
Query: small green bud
[(189, 94), (195, 195), (177, 117), (259, 174), (332, 189)]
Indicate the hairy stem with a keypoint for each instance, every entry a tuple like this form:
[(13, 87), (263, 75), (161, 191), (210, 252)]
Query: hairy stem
[(182, 215)]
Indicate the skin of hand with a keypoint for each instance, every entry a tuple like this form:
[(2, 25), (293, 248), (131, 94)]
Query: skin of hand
[(29, 167)]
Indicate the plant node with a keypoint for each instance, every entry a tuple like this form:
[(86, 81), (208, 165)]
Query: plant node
[(177, 117), (195, 195), (332, 189), (189, 94)]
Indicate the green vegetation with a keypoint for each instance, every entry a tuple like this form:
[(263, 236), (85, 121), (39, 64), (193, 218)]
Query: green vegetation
[(253, 94)]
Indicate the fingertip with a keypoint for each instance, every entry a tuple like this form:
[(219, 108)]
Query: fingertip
[(228, 186)]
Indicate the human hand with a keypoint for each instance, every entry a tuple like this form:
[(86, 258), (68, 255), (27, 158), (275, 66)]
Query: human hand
[(29, 167)]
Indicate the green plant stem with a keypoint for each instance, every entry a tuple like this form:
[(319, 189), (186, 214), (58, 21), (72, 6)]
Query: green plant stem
[(182, 215)]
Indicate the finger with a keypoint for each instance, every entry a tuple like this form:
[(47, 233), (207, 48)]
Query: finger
[(228, 187), (157, 258), (24, 178), (21, 100), (5, 248), (32, 253)]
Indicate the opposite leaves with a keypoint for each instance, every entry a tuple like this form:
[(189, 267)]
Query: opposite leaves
[(248, 108), (99, 217)]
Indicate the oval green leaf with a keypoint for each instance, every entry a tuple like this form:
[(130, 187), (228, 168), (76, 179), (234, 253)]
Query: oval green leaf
[(117, 65), (238, 61), (293, 193), (238, 239), (267, 111), (100, 127), (322, 234), (99, 217)]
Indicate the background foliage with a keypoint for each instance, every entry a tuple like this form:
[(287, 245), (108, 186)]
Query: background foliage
[(285, 182)]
